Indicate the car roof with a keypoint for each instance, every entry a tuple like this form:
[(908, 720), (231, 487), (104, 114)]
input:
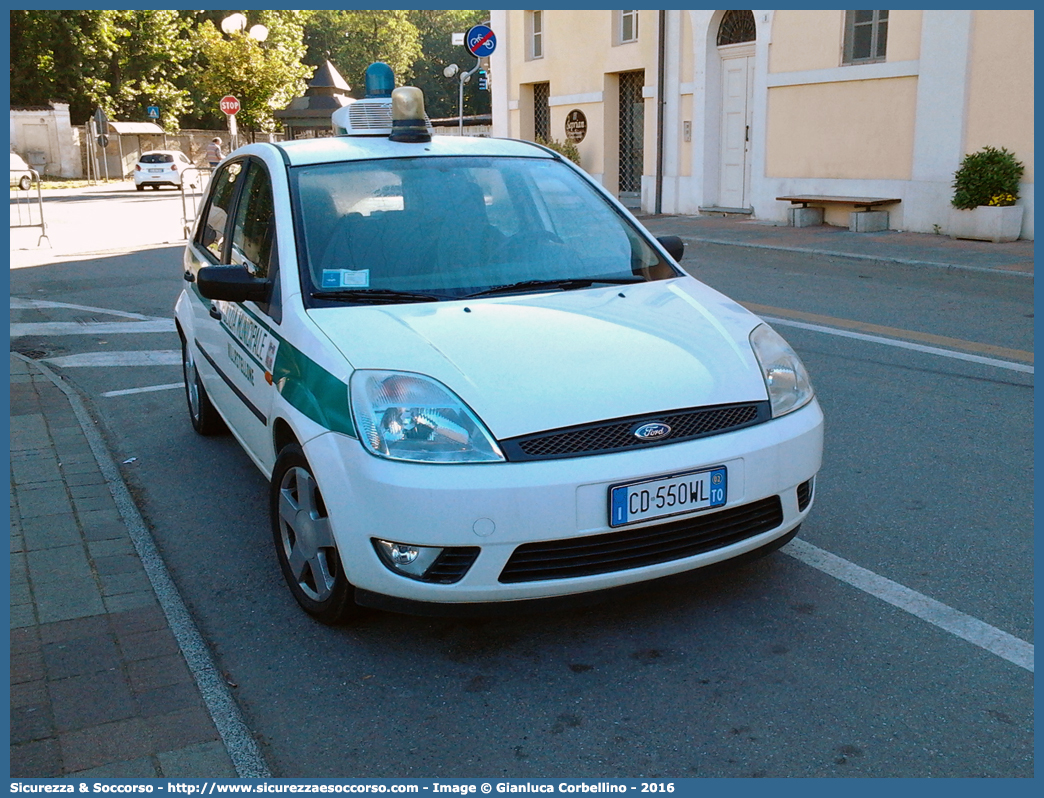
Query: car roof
[(333, 149), (162, 152)]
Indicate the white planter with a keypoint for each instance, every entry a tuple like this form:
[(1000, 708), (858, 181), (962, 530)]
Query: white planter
[(987, 223)]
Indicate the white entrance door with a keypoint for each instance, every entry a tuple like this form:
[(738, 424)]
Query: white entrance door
[(737, 83)]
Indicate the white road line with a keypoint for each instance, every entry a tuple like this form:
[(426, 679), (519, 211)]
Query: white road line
[(147, 389), (17, 303), (976, 632), (931, 350), (48, 328), (150, 357)]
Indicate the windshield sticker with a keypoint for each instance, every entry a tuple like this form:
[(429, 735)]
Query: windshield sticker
[(346, 278)]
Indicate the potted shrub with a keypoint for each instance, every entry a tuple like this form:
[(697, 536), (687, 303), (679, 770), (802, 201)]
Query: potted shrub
[(566, 148), (985, 190)]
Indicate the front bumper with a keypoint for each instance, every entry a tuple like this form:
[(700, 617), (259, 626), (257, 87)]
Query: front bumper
[(499, 507)]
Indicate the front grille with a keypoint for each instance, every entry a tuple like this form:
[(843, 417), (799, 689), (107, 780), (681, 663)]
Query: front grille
[(634, 548), (804, 495), (451, 565), (616, 435)]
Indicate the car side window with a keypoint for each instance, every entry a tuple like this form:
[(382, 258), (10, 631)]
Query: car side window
[(212, 231), (253, 231)]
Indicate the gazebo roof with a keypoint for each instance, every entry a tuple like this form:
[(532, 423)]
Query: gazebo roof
[(327, 91)]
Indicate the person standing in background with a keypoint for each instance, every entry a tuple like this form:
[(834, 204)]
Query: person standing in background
[(214, 154)]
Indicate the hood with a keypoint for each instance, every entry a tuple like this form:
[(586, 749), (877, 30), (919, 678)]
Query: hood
[(530, 363)]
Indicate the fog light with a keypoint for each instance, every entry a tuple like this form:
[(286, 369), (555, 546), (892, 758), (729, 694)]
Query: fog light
[(403, 555), (405, 558)]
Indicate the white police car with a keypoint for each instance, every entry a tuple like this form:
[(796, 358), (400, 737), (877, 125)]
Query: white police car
[(473, 378)]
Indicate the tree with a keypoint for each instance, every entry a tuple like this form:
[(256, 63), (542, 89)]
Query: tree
[(120, 61), (352, 40), (264, 76), (152, 53), (441, 93), (124, 61)]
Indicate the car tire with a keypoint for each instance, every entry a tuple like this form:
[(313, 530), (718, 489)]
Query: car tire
[(140, 186), (204, 416), (25, 182), (304, 541)]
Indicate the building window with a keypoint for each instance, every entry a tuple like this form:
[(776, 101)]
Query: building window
[(626, 26), (866, 36), (535, 34), (541, 111), (737, 27)]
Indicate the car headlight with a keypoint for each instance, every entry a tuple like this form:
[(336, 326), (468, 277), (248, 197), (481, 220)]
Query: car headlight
[(789, 386), (411, 417)]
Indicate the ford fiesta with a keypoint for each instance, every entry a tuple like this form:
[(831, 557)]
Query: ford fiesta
[(473, 378)]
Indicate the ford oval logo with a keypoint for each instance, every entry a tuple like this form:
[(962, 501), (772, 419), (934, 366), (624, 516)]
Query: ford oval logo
[(652, 431)]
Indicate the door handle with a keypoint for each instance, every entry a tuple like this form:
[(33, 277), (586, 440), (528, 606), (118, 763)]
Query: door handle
[(215, 313)]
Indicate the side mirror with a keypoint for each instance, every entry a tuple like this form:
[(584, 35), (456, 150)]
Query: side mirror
[(675, 246), (232, 284)]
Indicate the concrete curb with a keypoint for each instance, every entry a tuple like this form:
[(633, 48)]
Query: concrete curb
[(878, 258)]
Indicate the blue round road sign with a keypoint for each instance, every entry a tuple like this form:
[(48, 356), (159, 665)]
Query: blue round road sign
[(480, 41)]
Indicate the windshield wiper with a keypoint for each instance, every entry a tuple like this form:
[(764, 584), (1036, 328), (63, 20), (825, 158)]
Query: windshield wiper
[(562, 285), (376, 296)]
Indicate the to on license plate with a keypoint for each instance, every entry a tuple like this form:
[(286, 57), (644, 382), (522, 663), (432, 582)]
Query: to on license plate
[(664, 496)]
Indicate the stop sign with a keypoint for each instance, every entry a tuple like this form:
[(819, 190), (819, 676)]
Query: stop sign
[(229, 104)]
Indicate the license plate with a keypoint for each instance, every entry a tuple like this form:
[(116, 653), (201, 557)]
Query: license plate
[(155, 171), (665, 496)]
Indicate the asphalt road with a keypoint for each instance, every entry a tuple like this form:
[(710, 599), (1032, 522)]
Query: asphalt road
[(775, 669)]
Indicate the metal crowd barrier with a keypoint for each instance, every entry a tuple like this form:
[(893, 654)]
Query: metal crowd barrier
[(26, 211), (193, 185)]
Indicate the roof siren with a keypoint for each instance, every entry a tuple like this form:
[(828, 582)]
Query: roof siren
[(408, 120), (379, 80), (385, 111)]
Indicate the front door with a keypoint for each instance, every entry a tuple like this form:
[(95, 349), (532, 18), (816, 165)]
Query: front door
[(237, 342), (737, 79)]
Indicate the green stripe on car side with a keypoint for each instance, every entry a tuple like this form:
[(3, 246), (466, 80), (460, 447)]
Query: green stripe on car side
[(313, 390), (303, 383)]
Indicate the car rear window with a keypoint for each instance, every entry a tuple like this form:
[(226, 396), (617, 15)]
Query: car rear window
[(157, 157)]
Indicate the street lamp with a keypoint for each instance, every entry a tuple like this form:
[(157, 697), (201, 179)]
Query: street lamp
[(454, 70), (236, 24)]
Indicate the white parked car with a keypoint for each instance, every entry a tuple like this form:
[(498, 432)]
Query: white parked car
[(473, 378), (161, 168), (21, 175)]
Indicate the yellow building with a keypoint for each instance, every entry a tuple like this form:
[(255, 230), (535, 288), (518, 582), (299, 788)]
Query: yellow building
[(762, 104)]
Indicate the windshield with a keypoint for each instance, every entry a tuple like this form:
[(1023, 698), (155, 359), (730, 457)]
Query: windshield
[(448, 227), (157, 157)]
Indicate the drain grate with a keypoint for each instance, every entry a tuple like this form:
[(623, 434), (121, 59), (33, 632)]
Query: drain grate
[(36, 352)]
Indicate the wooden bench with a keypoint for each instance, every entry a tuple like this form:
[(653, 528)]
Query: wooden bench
[(862, 203), (863, 221)]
